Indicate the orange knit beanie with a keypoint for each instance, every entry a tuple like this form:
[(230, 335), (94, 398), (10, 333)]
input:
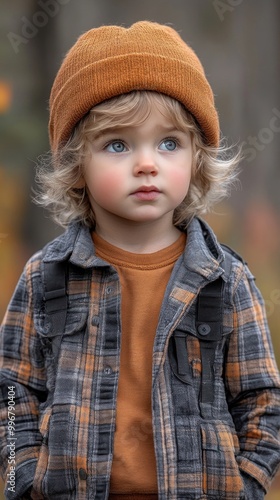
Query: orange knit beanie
[(112, 60)]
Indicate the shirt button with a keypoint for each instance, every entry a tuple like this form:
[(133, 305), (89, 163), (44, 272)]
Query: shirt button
[(204, 329), (109, 290), (108, 370), (82, 474), (95, 321)]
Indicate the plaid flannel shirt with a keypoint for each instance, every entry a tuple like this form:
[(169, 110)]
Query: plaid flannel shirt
[(65, 414)]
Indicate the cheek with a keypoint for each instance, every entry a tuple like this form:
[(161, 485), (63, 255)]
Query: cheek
[(104, 185), (180, 181)]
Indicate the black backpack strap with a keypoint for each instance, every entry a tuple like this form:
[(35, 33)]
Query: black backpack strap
[(209, 324), (209, 321), (56, 301)]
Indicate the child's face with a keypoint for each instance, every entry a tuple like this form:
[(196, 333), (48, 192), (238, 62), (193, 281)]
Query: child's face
[(139, 173)]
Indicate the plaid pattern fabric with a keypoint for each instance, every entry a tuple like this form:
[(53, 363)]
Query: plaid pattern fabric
[(65, 414)]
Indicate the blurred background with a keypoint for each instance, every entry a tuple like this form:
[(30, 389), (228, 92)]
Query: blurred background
[(238, 44)]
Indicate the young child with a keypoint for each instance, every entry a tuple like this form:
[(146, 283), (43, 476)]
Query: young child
[(131, 396)]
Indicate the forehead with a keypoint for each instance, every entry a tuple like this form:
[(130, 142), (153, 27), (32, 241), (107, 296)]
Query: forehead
[(134, 109)]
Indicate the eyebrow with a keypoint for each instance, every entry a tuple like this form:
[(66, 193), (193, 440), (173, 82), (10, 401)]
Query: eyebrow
[(159, 128), (170, 129)]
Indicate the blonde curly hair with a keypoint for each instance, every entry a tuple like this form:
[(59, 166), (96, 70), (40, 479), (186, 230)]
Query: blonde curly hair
[(60, 174)]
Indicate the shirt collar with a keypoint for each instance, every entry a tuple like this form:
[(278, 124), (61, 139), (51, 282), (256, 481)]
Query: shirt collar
[(75, 245), (202, 255)]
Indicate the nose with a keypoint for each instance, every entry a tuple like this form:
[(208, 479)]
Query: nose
[(145, 165)]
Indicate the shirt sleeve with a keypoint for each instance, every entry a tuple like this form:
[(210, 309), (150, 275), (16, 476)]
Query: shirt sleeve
[(253, 385), (22, 389)]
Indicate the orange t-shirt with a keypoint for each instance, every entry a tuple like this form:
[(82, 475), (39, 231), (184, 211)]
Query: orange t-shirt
[(143, 279)]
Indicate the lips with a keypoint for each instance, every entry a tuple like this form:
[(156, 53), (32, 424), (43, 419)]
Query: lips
[(146, 189), (146, 193)]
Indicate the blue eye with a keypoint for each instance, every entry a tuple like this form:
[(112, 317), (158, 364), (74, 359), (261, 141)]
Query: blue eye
[(168, 145), (116, 147)]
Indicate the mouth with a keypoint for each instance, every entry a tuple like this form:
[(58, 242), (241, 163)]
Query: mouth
[(147, 193), (146, 189)]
